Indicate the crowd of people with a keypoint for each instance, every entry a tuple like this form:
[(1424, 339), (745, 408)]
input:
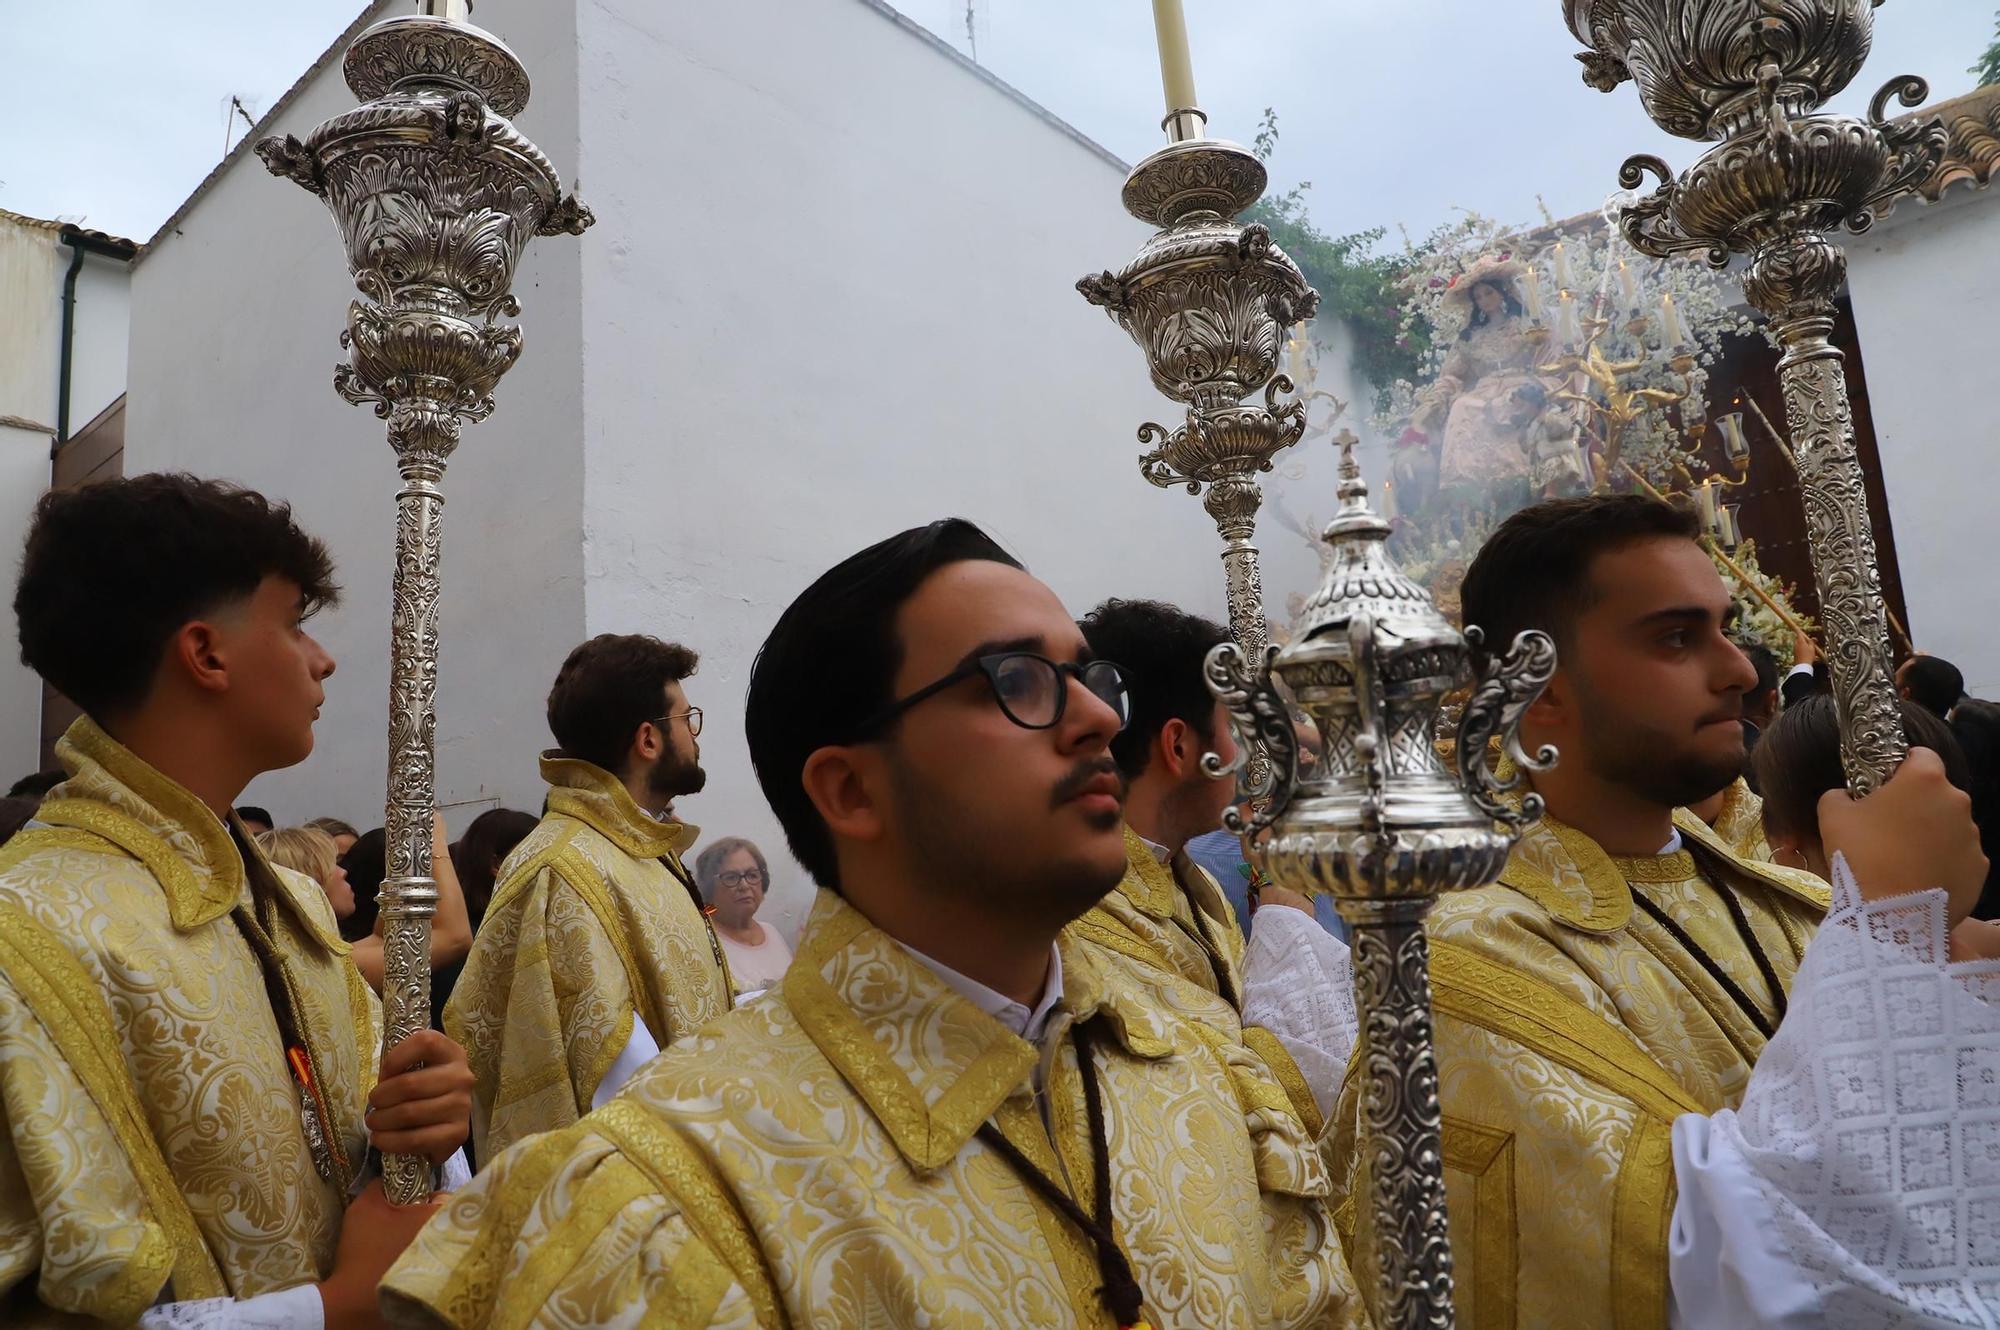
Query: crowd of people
[(1048, 1051)]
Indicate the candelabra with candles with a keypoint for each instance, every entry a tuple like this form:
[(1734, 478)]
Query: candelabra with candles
[(436, 194), (1783, 176)]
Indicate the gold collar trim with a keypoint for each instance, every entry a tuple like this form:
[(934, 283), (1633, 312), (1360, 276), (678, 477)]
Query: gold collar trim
[(116, 795), (1793, 882), (1675, 867), (599, 800), (1148, 883), (878, 1015)]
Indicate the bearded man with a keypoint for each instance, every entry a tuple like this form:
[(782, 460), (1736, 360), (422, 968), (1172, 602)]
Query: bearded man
[(595, 953)]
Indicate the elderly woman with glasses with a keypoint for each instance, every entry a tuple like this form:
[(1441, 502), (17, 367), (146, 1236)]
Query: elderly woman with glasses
[(733, 878)]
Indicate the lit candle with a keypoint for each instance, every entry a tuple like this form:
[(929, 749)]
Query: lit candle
[(1704, 502), (1628, 286), (1532, 283), (1562, 272), (1734, 446), (1176, 68), (1566, 318), (1732, 535), (1671, 331)]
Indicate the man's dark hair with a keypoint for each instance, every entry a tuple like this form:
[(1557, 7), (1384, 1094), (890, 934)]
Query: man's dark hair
[(38, 784), (1161, 649), (1934, 683), (1765, 662), (1534, 570), (607, 689), (831, 661), (252, 813), (113, 570), (1798, 760)]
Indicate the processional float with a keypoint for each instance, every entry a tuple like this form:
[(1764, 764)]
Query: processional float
[(1381, 824), (1750, 76), (436, 194)]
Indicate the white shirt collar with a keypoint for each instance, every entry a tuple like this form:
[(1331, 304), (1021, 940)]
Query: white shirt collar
[(1673, 845), (1029, 1024), (1160, 852)]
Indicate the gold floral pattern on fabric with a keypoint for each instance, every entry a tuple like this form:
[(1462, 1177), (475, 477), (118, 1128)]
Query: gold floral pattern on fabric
[(810, 1160), (135, 885), (1572, 1028), (1740, 824), (587, 931)]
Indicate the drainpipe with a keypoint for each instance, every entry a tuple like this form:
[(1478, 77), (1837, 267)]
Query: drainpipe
[(80, 242)]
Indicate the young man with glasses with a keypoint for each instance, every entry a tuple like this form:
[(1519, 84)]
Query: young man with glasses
[(596, 951), (947, 1113)]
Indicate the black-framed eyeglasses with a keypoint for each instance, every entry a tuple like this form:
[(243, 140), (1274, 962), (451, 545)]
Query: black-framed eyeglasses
[(692, 716), (1032, 690), (735, 878)]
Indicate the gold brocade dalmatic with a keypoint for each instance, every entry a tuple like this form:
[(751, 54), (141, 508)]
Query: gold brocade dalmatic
[(591, 927), (1740, 824), (1170, 927), (1573, 1026), (811, 1160), (153, 1129)]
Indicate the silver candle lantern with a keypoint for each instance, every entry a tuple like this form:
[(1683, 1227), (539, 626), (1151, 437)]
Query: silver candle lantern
[(436, 194), (1383, 826)]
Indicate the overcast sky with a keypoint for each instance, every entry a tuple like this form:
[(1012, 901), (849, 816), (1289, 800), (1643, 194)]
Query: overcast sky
[(1398, 111)]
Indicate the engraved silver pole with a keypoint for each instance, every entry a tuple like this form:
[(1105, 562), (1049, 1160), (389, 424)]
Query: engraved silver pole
[(1209, 300), (1781, 179), (1383, 827), (436, 194)]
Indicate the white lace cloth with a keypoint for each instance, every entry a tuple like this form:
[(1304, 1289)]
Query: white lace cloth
[(1298, 983), (1859, 1183)]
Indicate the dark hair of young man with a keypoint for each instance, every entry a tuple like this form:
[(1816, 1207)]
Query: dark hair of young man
[(607, 689), (113, 570), (17, 811), (1534, 570), (367, 863), (255, 817), (1765, 662), (1799, 760), (830, 663), (1160, 647), (1933, 683)]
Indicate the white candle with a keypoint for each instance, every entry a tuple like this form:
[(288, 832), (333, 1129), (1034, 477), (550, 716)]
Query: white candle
[(1176, 68), (1671, 331), (1732, 535), (1628, 286), (1734, 445), (1566, 328), (1704, 502), (1533, 286), (1562, 272)]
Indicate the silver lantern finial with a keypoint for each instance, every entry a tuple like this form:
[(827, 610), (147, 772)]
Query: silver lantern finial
[(436, 194), (1383, 825)]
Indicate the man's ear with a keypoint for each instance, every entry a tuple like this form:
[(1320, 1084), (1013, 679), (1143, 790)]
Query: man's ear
[(647, 745), (845, 785), (199, 652), (1177, 748), (1556, 704)]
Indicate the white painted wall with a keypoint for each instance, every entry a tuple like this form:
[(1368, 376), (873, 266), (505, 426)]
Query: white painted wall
[(102, 333), (830, 296), (236, 315), (1926, 285), (31, 269), (24, 475)]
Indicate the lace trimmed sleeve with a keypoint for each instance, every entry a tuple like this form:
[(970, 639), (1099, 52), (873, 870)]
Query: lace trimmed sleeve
[(1859, 1183), (1298, 983)]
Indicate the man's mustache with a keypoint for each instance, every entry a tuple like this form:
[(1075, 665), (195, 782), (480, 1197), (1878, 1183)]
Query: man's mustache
[(1092, 769)]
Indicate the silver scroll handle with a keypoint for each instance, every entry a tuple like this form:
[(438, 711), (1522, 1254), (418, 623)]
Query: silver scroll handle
[(1261, 723), (1507, 687)]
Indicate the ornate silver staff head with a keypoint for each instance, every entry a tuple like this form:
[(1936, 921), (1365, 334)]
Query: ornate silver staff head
[(436, 194), (1370, 663)]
